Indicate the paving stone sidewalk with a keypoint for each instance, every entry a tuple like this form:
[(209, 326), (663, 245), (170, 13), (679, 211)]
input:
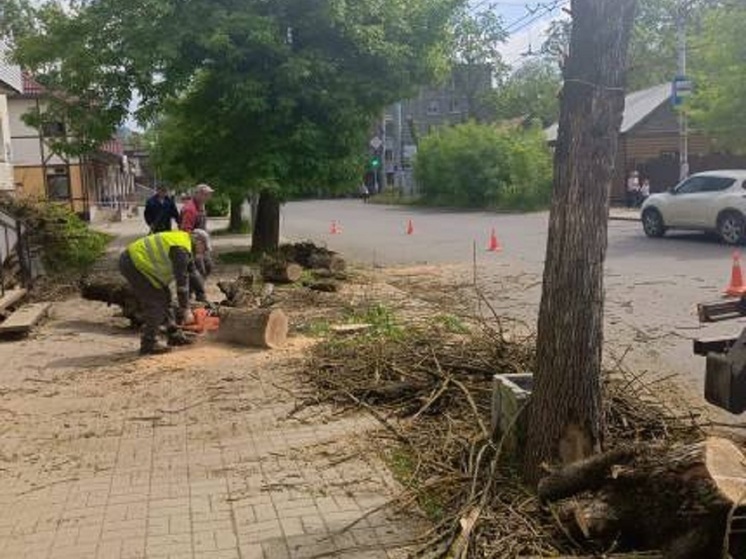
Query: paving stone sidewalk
[(195, 454)]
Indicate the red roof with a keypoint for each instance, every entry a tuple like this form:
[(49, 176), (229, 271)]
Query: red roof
[(31, 86), (113, 146)]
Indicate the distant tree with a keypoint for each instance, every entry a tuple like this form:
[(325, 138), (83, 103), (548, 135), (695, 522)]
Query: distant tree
[(477, 38), (480, 165), (719, 102), (17, 19), (653, 55), (531, 94)]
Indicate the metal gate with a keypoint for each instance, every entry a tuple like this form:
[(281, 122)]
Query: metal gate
[(14, 245)]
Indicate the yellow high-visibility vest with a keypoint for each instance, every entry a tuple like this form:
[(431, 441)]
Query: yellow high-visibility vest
[(150, 255)]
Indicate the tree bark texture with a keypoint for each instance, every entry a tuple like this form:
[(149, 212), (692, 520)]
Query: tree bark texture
[(565, 419), (678, 500), (265, 328), (266, 233), (236, 218)]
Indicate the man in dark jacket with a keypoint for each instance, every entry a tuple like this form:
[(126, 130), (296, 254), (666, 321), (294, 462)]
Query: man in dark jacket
[(160, 210)]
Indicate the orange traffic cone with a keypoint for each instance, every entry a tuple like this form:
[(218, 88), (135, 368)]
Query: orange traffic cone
[(335, 229), (494, 245), (410, 227), (736, 287)]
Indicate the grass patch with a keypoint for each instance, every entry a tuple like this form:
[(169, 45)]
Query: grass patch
[(403, 466), (381, 318), (245, 229), (238, 257), (395, 197), (451, 324)]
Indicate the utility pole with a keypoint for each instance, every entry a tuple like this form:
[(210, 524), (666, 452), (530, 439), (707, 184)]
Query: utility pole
[(398, 149), (683, 120)]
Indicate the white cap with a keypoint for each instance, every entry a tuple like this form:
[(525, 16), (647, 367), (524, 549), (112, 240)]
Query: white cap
[(203, 188)]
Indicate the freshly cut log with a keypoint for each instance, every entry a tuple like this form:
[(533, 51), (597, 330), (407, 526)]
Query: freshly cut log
[(678, 500), (266, 328), (281, 272)]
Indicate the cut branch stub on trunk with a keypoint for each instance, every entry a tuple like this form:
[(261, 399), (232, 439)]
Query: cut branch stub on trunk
[(679, 500), (265, 328)]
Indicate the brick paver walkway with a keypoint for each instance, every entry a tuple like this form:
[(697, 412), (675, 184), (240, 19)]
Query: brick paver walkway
[(195, 454)]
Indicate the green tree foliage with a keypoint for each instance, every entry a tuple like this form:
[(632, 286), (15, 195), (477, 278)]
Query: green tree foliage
[(652, 57), (476, 39), (530, 94), (719, 103), (275, 96), (476, 165)]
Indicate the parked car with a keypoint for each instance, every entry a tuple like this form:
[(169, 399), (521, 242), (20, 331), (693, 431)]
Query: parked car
[(713, 201)]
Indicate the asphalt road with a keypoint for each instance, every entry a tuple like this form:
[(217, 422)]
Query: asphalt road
[(653, 285)]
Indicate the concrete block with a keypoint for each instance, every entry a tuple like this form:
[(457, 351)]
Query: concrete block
[(509, 395)]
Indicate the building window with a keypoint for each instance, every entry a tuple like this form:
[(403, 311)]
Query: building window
[(53, 129), (58, 184), (455, 106), (433, 108)]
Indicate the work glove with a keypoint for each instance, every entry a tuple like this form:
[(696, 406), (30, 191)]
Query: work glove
[(185, 316)]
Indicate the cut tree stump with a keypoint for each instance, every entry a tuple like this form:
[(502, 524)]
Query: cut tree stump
[(265, 328), (277, 271), (678, 500)]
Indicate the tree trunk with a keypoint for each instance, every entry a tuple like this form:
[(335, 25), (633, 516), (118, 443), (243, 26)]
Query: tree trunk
[(266, 236), (266, 328), (565, 420), (236, 218)]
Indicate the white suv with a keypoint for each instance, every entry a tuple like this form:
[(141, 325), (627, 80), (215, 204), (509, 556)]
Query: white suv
[(711, 201)]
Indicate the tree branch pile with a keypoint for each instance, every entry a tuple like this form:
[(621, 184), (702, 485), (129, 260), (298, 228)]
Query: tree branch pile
[(431, 390)]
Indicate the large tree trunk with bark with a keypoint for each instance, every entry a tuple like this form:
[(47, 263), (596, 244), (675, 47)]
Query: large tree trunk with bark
[(565, 421), (236, 218), (266, 235)]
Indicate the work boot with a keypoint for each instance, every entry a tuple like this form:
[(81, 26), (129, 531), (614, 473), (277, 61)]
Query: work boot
[(153, 348), (179, 338)]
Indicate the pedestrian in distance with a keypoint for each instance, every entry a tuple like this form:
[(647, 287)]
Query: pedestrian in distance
[(364, 192), (160, 211), (644, 191), (193, 214), (150, 265), (633, 189)]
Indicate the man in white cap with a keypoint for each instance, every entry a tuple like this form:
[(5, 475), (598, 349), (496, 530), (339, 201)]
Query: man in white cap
[(193, 214)]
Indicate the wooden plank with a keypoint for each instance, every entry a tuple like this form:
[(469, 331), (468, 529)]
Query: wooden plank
[(11, 297), (719, 345), (720, 310), (24, 318)]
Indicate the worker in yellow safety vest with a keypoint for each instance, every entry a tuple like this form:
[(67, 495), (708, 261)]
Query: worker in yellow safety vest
[(150, 265)]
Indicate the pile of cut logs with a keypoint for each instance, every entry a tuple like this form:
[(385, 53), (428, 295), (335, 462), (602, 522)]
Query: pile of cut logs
[(246, 316)]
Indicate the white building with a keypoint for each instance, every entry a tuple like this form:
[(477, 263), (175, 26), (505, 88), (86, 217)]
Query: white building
[(10, 82)]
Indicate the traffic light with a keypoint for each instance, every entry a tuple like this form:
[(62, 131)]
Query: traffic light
[(375, 162)]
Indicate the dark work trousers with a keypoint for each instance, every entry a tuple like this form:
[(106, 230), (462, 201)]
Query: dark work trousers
[(155, 301)]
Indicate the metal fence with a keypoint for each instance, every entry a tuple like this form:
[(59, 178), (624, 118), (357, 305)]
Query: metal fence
[(14, 245)]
